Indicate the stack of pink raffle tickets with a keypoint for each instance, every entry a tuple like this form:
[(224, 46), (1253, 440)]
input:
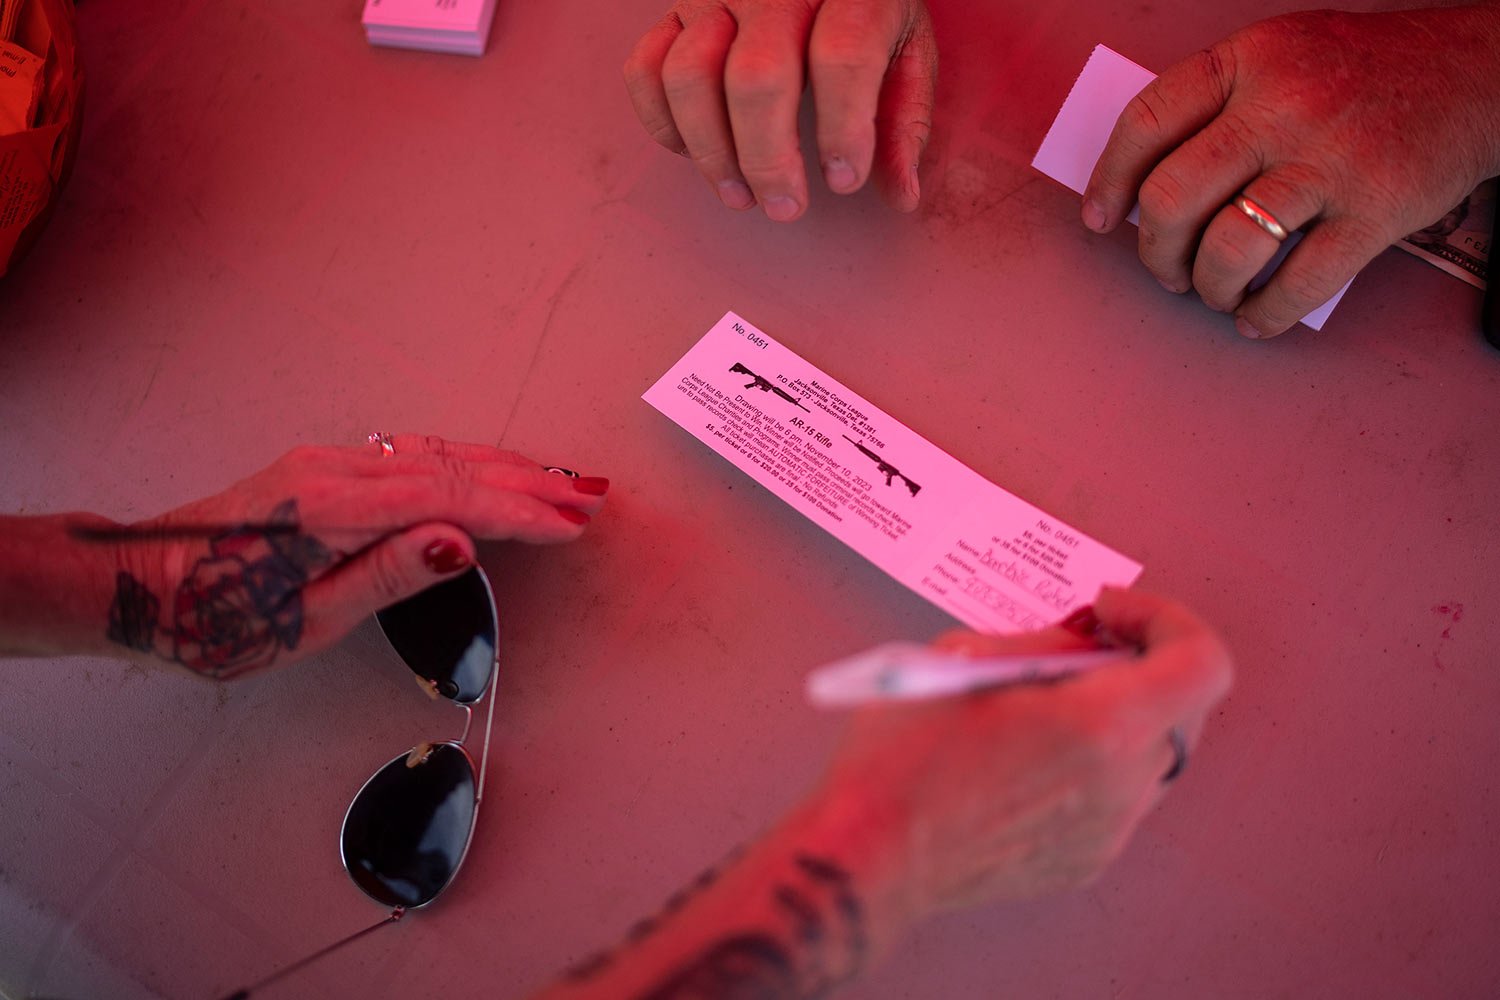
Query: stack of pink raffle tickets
[(461, 26)]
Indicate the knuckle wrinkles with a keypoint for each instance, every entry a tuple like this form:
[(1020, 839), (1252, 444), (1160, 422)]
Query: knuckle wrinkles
[(713, 162), (1218, 68), (1215, 299), (682, 78), (918, 128), (1300, 286), (1140, 116), (637, 73), (641, 84), (843, 59), (1162, 196), (763, 175), (538, 482), (771, 165), (1224, 254), (664, 133), (759, 80), (1220, 272), (1240, 136), (1362, 235), (435, 445)]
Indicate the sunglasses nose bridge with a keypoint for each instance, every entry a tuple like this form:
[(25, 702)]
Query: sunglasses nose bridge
[(468, 722)]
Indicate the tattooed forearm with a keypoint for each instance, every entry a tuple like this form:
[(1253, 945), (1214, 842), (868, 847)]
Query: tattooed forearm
[(814, 942), (132, 616), (641, 929), (744, 967), (238, 608)]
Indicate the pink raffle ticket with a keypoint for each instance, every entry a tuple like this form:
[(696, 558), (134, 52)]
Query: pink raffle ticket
[(985, 556)]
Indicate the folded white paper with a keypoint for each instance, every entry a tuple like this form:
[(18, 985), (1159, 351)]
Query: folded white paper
[(1082, 128), (985, 556)]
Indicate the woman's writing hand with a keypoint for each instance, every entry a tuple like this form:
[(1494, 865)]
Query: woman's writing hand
[(1034, 788)]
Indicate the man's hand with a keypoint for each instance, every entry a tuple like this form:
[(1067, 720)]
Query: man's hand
[(1356, 128), (720, 81)]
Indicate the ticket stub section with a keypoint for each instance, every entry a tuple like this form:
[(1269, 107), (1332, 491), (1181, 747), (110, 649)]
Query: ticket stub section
[(984, 555)]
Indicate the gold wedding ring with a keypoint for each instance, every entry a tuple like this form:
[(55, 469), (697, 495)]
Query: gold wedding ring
[(387, 449), (1260, 217)]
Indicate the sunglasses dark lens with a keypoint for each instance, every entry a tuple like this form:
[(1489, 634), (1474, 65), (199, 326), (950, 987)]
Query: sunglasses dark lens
[(408, 828), (447, 635)]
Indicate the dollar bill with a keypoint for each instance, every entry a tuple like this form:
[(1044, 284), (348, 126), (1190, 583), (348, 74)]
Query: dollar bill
[(1459, 242)]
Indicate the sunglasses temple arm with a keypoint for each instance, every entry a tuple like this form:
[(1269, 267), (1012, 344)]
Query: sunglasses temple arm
[(243, 994), (484, 760)]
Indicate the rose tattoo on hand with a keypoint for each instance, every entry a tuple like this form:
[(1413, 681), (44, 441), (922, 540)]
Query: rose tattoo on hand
[(238, 608)]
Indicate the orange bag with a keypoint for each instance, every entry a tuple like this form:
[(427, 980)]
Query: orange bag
[(35, 160)]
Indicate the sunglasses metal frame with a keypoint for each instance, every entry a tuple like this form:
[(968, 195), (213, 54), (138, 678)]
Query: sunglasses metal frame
[(398, 911), (458, 744)]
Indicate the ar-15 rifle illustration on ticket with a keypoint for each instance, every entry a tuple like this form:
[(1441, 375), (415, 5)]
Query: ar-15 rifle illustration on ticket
[(985, 556), (764, 385), (883, 467)]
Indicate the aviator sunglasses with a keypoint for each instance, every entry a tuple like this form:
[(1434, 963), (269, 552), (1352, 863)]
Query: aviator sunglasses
[(409, 827)]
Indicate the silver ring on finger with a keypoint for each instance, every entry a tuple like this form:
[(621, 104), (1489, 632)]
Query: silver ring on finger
[(1178, 742), (1258, 215), (387, 449)]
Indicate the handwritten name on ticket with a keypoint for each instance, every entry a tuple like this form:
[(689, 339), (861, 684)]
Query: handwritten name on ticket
[(985, 556)]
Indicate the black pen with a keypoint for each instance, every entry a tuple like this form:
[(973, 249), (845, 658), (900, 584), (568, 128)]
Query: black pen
[(1489, 319), (172, 532)]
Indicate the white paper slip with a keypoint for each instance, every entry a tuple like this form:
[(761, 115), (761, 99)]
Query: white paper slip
[(906, 671), (987, 557), (1078, 136)]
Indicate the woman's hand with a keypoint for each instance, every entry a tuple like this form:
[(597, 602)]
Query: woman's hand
[(1035, 788), (1355, 128), (993, 795), (720, 81), (285, 563)]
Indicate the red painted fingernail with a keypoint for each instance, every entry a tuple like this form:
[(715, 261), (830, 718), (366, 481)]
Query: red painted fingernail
[(445, 556), (594, 486), (1082, 622), (570, 514)]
